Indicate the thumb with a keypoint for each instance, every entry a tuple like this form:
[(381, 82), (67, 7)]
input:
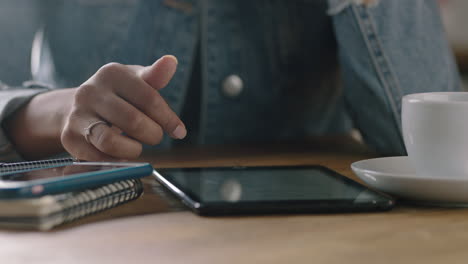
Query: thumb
[(161, 72)]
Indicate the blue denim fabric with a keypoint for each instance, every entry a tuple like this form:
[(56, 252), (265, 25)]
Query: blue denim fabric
[(389, 49), (306, 72)]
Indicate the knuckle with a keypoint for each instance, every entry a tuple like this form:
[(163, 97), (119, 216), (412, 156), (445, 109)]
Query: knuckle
[(170, 121), (155, 101), (111, 69), (149, 98), (68, 133), (66, 136), (157, 136), (137, 123), (166, 117), (84, 94), (72, 143), (74, 116)]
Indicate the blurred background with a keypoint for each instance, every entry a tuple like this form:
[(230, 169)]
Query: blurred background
[(455, 18), (19, 15)]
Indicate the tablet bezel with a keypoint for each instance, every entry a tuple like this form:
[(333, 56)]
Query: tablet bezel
[(276, 206)]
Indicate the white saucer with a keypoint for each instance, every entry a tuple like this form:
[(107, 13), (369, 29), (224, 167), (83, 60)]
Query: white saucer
[(396, 176)]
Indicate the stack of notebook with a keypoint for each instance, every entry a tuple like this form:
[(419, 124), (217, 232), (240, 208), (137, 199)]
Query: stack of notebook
[(48, 211)]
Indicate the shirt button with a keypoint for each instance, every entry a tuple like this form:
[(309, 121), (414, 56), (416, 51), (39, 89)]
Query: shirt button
[(233, 86)]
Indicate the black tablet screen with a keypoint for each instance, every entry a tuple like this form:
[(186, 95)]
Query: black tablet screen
[(267, 184)]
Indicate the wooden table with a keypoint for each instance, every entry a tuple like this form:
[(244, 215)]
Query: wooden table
[(152, 230)]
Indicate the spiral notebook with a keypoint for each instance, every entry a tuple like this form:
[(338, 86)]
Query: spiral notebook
[(29, 165), (49, 211)]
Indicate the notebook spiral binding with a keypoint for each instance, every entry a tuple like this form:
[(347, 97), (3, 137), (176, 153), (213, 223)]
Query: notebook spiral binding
[(99, 199), (73, 205), (20, 166)]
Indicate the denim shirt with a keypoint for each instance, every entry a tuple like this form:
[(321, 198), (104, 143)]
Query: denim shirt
[(301, 67)]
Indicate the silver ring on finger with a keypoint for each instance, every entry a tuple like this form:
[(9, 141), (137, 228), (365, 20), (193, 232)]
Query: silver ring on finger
[(88, 129)]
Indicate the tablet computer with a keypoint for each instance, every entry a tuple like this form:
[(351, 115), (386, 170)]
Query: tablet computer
[(265, 190), (27, 183)]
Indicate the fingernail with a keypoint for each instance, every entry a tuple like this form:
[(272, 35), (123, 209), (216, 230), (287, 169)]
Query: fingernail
[(180, 132), (173, 57)]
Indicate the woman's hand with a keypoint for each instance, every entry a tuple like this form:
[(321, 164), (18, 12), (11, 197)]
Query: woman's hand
[(127, 98)]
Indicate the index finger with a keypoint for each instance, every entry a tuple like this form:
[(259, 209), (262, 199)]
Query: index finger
[(148, 100)]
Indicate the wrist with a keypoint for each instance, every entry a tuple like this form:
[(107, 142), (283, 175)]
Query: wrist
[(35, 129)]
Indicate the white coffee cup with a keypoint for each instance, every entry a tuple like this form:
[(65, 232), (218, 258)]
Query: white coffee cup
[(435, 131)]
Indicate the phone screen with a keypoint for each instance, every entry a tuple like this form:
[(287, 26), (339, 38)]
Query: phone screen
[(54, 172), (268, 184)]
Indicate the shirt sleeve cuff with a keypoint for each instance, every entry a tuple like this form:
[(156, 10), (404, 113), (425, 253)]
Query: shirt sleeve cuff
[(10, 101)]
